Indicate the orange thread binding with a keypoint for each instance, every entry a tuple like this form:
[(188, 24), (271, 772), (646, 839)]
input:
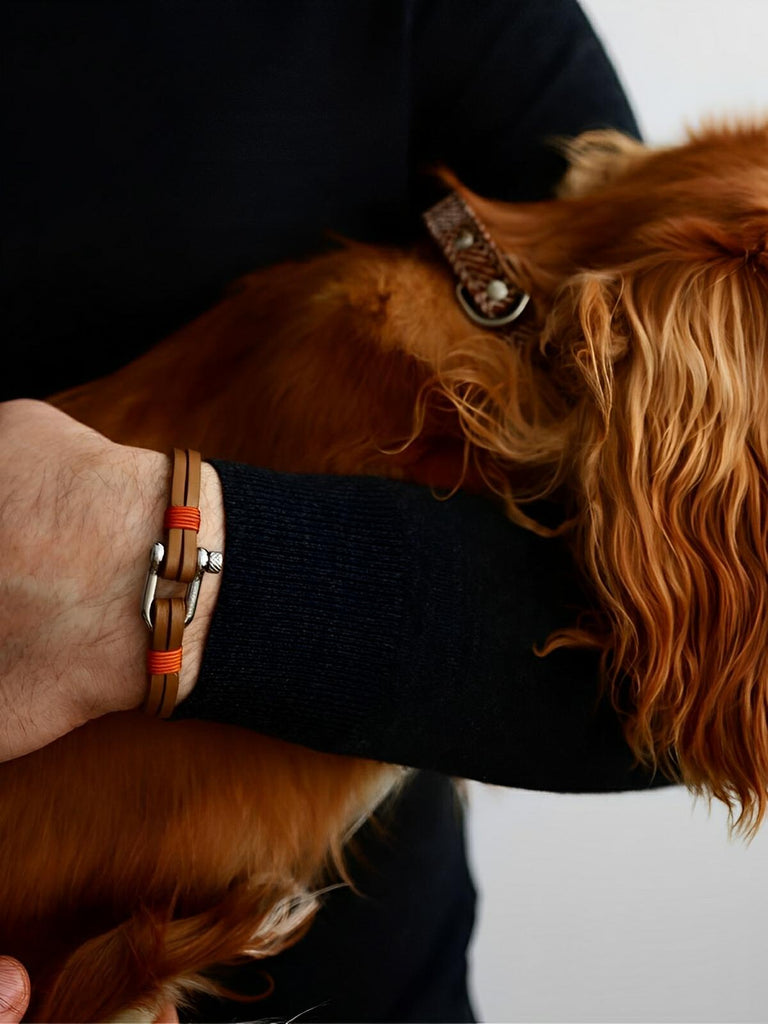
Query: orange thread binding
[(182, 517), (163, 663)]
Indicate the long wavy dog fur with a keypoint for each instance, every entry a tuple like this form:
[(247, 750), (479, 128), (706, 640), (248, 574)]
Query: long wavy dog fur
[(635, 392)]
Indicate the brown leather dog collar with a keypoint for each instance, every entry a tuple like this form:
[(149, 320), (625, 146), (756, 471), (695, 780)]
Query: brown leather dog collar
[(484, 290)]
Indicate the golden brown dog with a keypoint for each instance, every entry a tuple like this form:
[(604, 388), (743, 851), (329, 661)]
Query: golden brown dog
[(635, 391)]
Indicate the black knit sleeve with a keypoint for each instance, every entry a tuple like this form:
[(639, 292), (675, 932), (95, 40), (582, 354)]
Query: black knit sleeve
[(366, 617)]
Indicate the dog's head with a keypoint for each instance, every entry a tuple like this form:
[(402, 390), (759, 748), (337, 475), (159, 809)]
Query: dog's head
[(640, 386)]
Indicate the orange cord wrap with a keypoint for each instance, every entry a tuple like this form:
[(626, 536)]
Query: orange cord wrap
[(164, 663), (182, 517)]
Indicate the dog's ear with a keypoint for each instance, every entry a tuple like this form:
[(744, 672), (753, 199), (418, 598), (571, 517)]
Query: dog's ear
[(670, 450), (596, 159)]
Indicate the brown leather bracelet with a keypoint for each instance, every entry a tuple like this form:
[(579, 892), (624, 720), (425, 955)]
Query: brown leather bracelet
[(179, 560)]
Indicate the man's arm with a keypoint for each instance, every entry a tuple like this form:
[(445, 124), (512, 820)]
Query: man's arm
[(78, 515)]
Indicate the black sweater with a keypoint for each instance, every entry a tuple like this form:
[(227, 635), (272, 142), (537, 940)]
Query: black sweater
[(159, 151)]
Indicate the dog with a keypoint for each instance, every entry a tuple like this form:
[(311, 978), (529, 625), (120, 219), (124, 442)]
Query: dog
[(632, 390)]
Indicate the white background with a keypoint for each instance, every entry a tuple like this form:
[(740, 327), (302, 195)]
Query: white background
[(634, 907)]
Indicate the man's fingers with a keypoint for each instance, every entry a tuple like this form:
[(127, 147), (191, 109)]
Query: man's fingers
[(14, 990)]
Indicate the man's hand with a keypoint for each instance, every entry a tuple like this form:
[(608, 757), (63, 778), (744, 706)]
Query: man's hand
[(78, 515)]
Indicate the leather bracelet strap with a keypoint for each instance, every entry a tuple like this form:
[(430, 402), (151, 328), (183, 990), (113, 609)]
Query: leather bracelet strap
[(179, 560), (167, 635), (180, 563)]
